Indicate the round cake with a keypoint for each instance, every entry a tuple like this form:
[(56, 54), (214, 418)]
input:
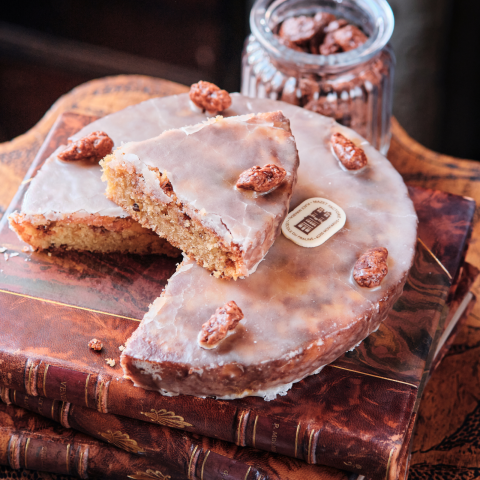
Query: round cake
[(302, 307)]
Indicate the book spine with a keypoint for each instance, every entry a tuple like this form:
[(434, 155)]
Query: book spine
[(54, 454), (161, 444), (244, 427)]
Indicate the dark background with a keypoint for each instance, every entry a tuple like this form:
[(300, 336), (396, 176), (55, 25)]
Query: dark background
[(49, 47)]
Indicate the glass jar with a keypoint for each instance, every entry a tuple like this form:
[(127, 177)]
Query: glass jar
[(354, 87)]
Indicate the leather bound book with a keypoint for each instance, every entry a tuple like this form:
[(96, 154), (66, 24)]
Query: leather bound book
[(32, 442), (445, 225), (187, 454), (353, 415), (157, 439), (460, 307)]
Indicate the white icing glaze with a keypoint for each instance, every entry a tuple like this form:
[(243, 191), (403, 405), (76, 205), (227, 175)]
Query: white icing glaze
[(68, 189), (203, 163), (301, 308)]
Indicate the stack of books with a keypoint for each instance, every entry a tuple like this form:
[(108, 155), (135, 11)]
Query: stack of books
[(355, 418)]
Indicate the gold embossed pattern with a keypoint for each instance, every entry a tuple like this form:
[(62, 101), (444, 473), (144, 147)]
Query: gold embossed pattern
[(168, 419), (122, 440), (149, 474)]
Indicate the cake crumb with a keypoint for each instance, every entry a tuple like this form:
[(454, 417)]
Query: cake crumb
[(5, 256), (95, 344), (121, 348), (26, 249), (49, 254), (110, 362), (15, 254)]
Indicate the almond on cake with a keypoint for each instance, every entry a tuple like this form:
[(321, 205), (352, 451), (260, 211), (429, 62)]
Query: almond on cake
[(184, 185)]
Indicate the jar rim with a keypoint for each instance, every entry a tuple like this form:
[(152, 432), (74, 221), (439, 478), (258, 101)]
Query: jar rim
[(379, 10)]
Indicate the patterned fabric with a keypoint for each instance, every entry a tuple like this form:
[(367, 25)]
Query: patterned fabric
[(447, 440), (442, 472)]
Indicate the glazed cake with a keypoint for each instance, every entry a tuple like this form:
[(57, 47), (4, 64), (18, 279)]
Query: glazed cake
[(218, 190), (302, 308)]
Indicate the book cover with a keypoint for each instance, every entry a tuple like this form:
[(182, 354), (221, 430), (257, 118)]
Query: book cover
[(353, 415)]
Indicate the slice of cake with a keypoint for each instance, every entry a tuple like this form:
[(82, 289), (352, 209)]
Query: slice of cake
[(303, 307), (65, 207), (218, 190)]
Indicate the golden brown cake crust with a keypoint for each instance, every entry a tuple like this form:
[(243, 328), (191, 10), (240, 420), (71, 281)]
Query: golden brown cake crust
[(236, 380)]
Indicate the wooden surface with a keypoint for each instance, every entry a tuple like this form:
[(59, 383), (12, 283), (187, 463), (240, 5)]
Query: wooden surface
[(447, 440)]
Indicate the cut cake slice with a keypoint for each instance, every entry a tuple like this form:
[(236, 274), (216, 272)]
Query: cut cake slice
[(65, 207), (183, 185)]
